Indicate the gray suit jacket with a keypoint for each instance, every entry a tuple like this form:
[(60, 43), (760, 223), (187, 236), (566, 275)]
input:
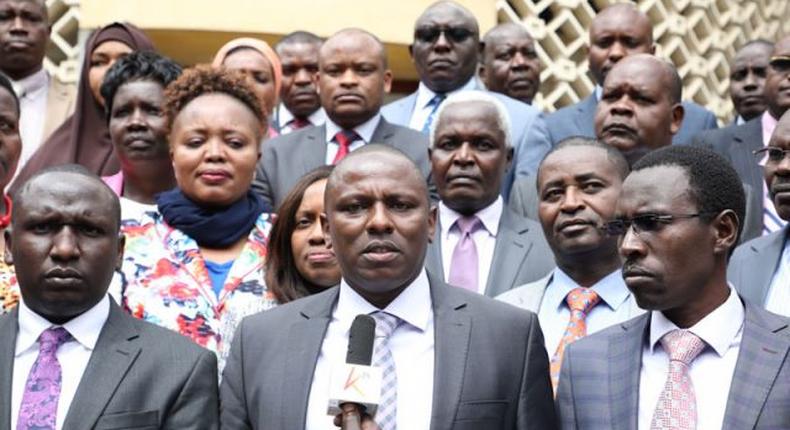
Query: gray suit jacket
[(491, 367), (579, 120), (139, 376), (287, 158), (521, 254), (754, 263), (599, 386)]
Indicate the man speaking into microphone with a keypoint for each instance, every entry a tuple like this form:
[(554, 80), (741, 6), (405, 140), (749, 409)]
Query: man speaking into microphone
[(449, 358)]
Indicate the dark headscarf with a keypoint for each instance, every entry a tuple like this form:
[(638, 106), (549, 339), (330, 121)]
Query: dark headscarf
[(83, 138)]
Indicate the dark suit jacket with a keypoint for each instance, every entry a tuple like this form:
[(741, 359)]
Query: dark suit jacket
[(491, 368), (754, 263), (521, 254), (140, 376), (599, 386), (287, 158)]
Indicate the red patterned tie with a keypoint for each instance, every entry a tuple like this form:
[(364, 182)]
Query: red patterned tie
[(677, 406), (580, 301), (344, 139), (298, 123)]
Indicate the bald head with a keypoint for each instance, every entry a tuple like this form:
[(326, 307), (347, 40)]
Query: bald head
[(616, 32), (510, 62), (448, 8), (350, 38), (777, 80)]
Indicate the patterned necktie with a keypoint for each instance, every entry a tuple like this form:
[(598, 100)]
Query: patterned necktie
[(344, 139), (580, 301), (463, 267), (386, 414), (677, 406), (298, 123), (39, 409), (434, 105)]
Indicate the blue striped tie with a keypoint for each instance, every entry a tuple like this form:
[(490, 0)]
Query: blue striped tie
[(386, 414), (434, 103)]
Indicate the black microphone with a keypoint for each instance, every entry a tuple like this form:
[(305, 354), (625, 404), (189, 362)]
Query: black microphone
[(360, 340), (356, 381)]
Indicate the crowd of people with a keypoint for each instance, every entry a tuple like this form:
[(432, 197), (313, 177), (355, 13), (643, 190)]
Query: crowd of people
[(191, 248)]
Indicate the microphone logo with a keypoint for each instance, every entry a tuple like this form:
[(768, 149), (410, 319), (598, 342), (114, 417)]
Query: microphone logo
[(355, 380)]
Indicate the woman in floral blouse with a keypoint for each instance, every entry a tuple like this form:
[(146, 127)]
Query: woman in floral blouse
[(198, 268), (10, 149)]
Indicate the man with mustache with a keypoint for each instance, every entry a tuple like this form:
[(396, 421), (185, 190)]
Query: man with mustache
[(45, 100), (352, 80), (578, 185), (510, 63), (456, 359), (301, 105), (481, 245), (445, 52), (701, 358), (760, 269), (747, 79), (739, 143), (72, 358)]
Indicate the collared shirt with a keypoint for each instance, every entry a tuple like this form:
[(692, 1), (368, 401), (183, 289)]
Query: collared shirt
[(778, 298), (554, 313), (711, 372), (739, 120), (484, 238), (771, 220), (32, 92), (598, 92), (73, 356), (412, 346), (422, 110), (285, 116), (364, 131)]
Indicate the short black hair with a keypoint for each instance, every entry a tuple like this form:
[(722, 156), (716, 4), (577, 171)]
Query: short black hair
[(714, 184), (612, 154), (6, 83), (137, 66), (675, 83), (299, 36)]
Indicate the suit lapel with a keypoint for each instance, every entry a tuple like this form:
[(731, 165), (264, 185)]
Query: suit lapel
[(116, 349), (452, 331), (510, 250), (383, 133), (748, 138), (306, 337), (433, 257), (764, 348), (625, 361), (586, 117), (766, 259), (314, 157), (8, 331)]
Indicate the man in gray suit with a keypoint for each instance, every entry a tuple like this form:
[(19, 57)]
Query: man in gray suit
[(352, 79), (72, 359), (738, 144), (460, 360), (445, 53), (616, 32), (701, 358), (760, 268), (470, 152), (579, 182)]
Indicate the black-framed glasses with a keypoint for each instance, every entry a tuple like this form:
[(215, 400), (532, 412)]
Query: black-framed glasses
[(453, 34), (645, 223), (770, 154), (780, 63)]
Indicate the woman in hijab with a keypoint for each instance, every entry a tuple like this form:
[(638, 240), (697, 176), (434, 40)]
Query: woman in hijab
[(258, 61), (84, 138)]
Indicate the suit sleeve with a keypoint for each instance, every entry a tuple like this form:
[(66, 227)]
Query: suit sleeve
[(535, 145), (524, 197), (197, 406), (261, 183), (565, 406), (536, 408), (710, 121), (233, 405)]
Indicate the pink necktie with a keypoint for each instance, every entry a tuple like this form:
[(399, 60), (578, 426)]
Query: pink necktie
[(299, 123), (677, 405), (463, 267), (39, 409), (580, 301)]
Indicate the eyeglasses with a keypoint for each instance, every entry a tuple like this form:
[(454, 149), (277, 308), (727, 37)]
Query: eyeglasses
[(645, 223), (780, 63), (770, 154), (453, 34)]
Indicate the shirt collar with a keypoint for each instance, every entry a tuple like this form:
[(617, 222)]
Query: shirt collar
[(32, 83), (769, 125), (84, 328), (598, 91), (413, 305), (718, 329), (285, 116), (425, 94), (611, 289), (489, 216), (364, 130), (739, 120)]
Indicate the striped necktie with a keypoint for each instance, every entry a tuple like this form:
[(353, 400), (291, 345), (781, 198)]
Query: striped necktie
[(386, 414)]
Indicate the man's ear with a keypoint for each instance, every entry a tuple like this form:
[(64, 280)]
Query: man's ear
[(121, 245), (678, 112), (7, 256), (433, 214), (726, 225)]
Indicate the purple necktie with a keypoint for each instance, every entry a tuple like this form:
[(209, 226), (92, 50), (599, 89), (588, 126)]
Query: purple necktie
[(463, 267), (39, 409)]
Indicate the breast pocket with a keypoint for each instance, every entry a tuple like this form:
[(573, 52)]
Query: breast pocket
[(481, 414), (147, 420)]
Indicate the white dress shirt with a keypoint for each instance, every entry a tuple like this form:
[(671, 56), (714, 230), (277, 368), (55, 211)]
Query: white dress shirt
[(554, 313), (284, 117), (364, 130), (32, 92), (73, 356), (778, 298), (711, 372), (412, 346), (422, 111), (484, 238)]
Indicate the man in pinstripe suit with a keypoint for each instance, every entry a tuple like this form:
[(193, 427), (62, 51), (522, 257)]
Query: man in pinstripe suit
[(701, 358)]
